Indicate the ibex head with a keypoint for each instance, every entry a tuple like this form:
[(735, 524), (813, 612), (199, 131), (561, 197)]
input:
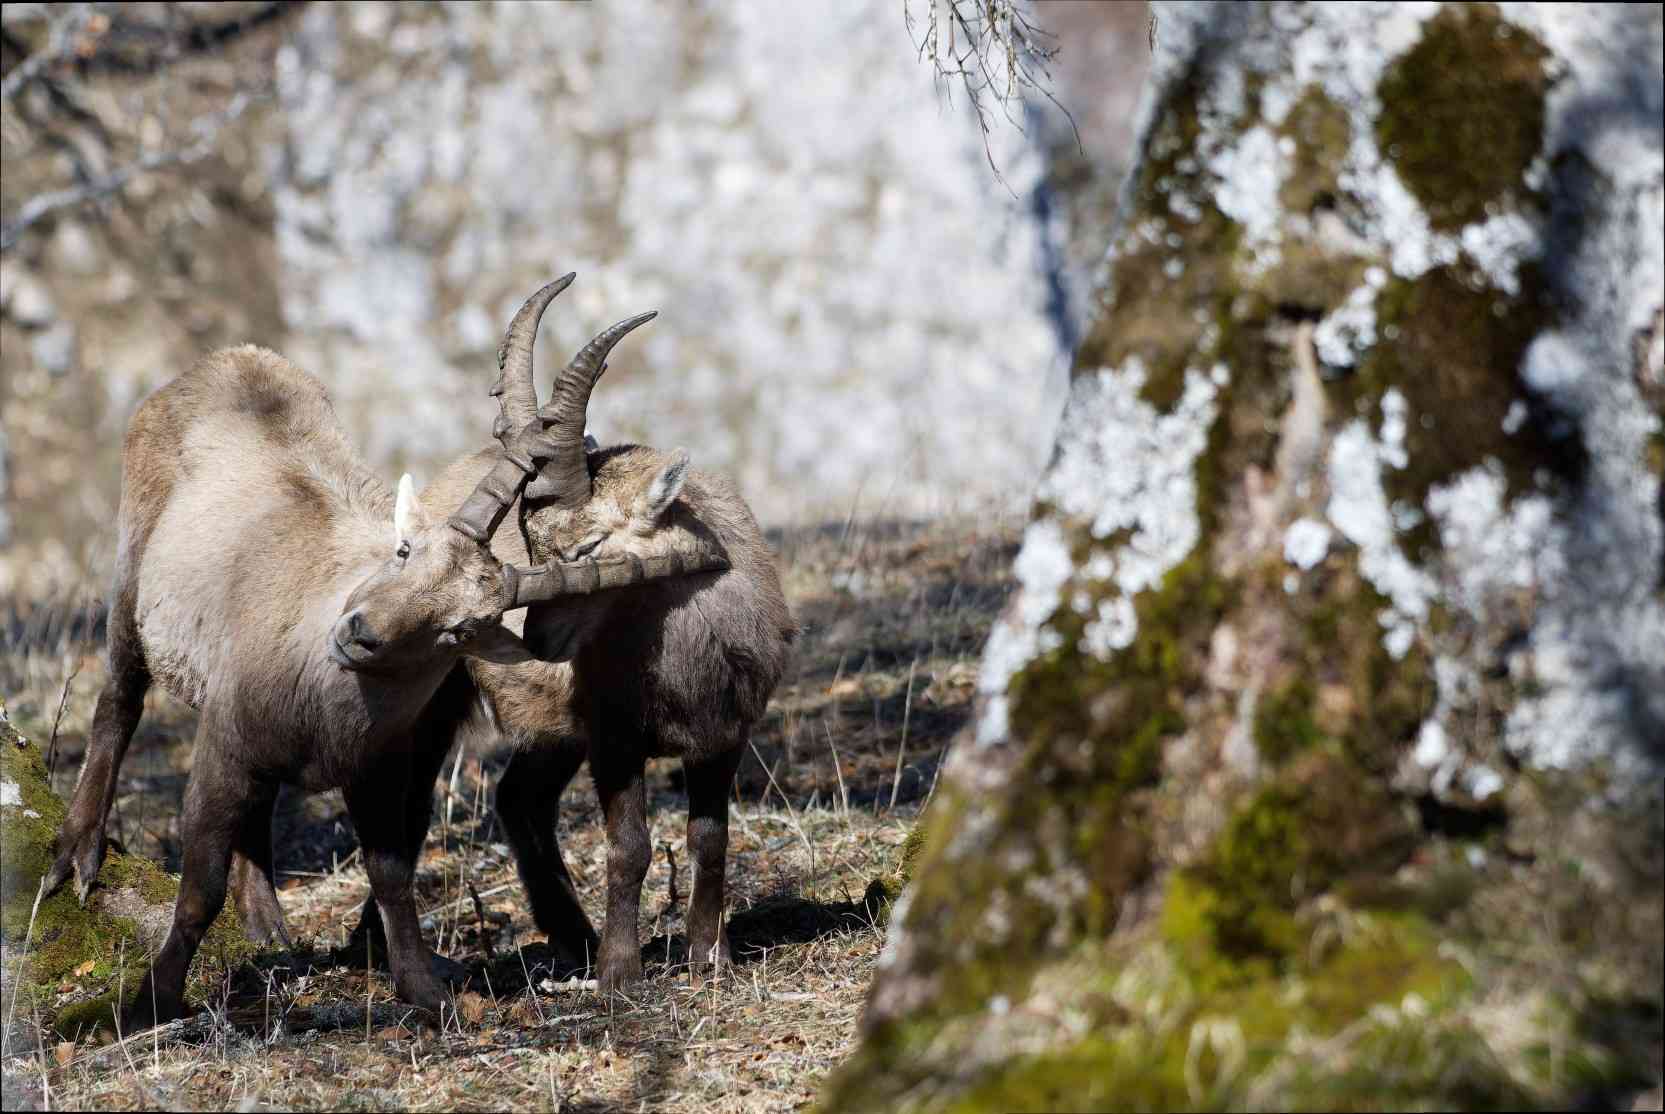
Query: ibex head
[(632, 491), (440, 591)]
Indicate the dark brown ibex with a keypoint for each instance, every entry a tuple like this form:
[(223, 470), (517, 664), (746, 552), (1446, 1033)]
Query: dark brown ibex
[(679, 669), (256, 580)]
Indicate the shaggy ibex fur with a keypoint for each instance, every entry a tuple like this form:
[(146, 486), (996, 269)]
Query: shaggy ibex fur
[(678, 669), (267, 578), (681, 669)]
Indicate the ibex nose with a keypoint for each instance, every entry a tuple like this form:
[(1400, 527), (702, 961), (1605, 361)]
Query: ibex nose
[(359, 632)]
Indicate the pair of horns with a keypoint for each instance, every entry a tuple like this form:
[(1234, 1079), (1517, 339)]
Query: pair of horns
[(565, 479), (543, 456), (543, 450)]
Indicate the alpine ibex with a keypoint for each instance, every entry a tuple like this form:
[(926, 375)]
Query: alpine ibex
[(679, 669), (675, 669), (257, 580)]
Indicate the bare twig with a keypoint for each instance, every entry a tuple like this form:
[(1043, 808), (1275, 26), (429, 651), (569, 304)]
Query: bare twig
[(480, 914), (994, 52), (63, 41), (902, 747), (790, 811), (58, 718), (843, 793), (42, 205)]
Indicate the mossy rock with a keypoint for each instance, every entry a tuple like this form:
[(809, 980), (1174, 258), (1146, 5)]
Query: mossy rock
[(78, 958)]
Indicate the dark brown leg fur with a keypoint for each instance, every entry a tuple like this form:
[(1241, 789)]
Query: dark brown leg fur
[(252, 885), (378, 811), (709, 783), (432, 739), (81, 839), (618, 770), (529, 803), (219, 800)]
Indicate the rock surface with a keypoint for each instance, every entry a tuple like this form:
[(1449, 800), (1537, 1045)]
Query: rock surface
[(1319, 762)]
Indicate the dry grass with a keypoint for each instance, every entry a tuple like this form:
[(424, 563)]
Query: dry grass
[(894, 616)]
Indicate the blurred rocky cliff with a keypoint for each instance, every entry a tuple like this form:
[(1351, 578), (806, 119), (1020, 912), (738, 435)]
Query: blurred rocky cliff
[(855, 310)]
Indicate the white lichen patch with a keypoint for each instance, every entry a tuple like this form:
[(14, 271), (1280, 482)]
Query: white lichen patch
[(1490, 547), (1359, 509), (1347, 331), (1251, 172), (1123, 467), (10, 794), (1112, 628), (1305, 543), (1042, 568), (1500, 244)]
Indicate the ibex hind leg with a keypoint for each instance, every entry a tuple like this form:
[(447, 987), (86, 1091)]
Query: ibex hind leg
[(120, 703), (251, 877), (219, 799), (709, 783)]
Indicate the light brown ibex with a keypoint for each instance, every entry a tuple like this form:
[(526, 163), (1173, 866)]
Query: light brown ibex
[(257, 580)]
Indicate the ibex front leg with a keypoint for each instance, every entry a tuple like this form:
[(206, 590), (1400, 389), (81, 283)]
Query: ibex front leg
[(377, 808), (619, 784)]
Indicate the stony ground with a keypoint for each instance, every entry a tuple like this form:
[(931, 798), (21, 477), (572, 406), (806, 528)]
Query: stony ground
[(894, 616)]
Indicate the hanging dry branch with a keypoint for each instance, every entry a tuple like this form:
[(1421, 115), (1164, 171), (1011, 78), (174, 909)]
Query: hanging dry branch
[(994, 52)]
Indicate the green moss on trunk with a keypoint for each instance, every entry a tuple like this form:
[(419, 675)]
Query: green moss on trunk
[(94, 950), (1463, 113)]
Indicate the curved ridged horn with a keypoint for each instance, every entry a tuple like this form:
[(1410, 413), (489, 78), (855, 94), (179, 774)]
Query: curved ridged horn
[(515, 391), (555, 580), (517, 425), (482, 512), (566, 478)]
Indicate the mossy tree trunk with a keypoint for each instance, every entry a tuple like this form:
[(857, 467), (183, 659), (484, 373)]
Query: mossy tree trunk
[(65, 962), (1319, 761)]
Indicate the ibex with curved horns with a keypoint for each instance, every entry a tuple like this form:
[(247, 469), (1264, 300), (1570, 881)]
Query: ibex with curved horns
[(256, 580), (679, 668)]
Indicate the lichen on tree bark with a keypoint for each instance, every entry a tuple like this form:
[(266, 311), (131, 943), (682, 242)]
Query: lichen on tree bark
[(1319, 755)]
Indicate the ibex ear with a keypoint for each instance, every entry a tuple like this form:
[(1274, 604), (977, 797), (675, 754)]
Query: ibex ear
[(664, 489), (409, 517), (500, 645)]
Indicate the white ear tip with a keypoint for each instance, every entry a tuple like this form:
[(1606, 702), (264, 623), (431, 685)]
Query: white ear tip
[(407, 486), (679, 457)]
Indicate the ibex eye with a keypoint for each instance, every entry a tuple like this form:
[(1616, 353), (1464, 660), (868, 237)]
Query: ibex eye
[(404, 550)]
